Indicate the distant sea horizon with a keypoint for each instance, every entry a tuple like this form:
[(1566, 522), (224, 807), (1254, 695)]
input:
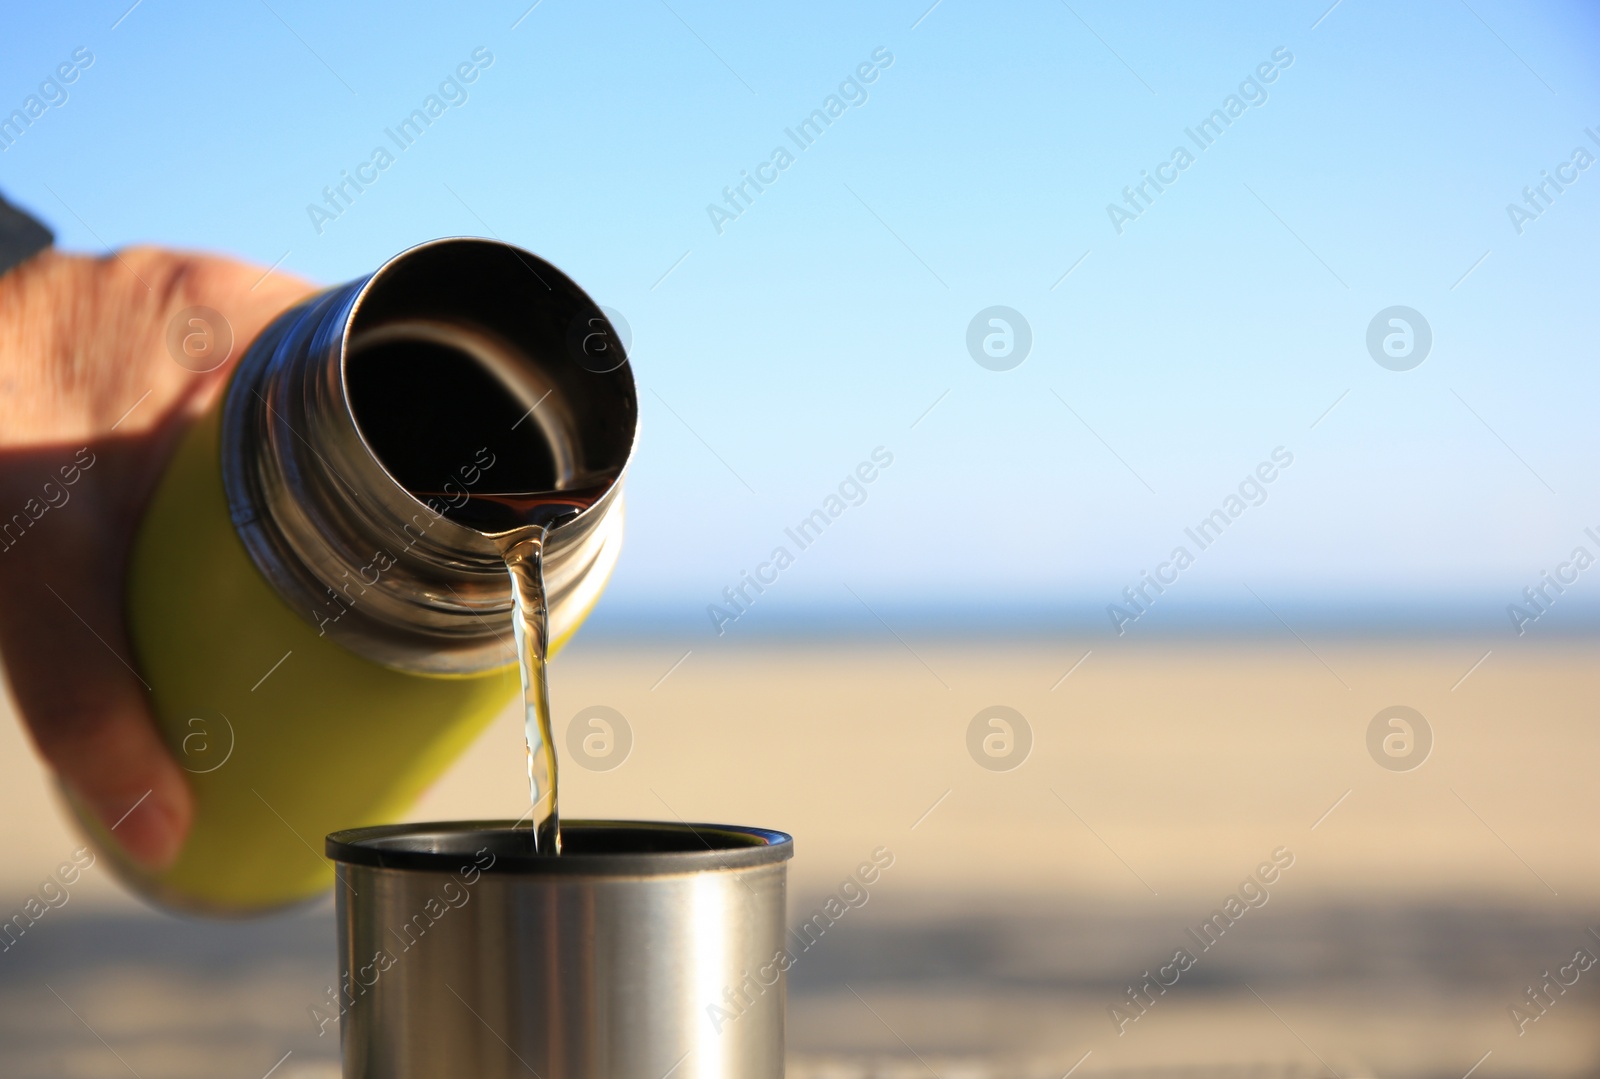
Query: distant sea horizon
[(1271, 615)]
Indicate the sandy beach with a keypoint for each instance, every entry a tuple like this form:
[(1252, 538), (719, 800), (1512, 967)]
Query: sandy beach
[(1416, 906)]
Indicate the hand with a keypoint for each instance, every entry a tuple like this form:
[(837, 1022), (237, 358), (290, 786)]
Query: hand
[(85, 365)]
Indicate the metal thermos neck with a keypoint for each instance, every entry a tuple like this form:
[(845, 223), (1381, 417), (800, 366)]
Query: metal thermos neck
[(381, 569)]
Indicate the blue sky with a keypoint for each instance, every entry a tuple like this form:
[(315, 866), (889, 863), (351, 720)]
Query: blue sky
[(823, 322)]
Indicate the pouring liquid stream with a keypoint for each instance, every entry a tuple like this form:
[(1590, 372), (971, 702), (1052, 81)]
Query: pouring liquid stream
[(521, 522), (429, 409), (530, 622)]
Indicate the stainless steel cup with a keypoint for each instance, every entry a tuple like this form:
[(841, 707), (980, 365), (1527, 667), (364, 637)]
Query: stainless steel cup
[(642, 951)]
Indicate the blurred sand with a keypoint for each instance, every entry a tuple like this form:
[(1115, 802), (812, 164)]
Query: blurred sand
[(1187, 762), (1019, 902)]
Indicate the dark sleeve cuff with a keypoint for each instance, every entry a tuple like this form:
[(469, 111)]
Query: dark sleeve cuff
[(22, 236)]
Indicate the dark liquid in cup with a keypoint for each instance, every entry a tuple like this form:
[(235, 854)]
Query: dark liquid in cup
[(428, 411)]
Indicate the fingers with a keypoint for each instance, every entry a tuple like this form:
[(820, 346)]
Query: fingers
[(190, 317), (109, 756), (67, 655), (95, 345), (86, 708), (93, 350)]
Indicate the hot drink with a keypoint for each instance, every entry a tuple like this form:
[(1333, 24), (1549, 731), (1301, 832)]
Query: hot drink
[(422, 405)]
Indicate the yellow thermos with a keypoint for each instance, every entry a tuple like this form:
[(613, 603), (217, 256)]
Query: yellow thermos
[(320, 637)]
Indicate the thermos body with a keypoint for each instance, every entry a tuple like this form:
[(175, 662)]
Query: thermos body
[(319, 639)]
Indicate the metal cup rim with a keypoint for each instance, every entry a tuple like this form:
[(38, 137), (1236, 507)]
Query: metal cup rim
[(589, 848)]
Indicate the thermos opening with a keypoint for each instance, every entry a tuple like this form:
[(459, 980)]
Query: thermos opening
[(440, 410), (466, 351), (376, 439)]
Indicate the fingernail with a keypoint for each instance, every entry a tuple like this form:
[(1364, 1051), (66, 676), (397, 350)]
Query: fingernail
[(146, 828)]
